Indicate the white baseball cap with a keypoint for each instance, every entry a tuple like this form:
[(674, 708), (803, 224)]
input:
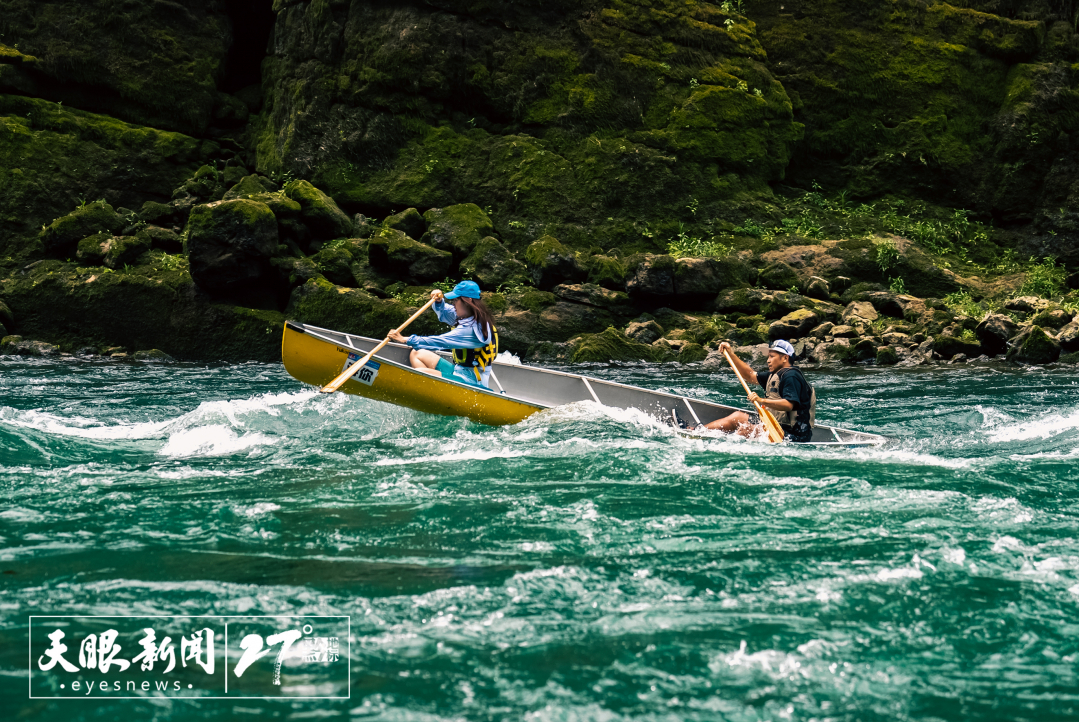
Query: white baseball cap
[(782, 346)]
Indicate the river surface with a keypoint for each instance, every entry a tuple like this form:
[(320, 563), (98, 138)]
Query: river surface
[(585, 564)]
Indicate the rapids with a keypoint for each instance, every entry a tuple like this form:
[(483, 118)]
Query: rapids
[(586, 563)]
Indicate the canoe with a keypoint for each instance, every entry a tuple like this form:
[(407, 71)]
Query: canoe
[(316, 356)]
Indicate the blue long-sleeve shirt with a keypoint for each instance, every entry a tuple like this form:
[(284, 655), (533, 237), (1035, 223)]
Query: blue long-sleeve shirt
[(466, 335)]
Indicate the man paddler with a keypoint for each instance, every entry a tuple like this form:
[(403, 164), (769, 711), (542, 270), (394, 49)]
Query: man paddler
[(787, 395)]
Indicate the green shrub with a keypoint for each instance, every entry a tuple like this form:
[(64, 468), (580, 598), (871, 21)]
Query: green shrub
[(1045, 279)]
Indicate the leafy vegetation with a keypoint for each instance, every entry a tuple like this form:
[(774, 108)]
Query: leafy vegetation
[(684, 245), (1045, 279)]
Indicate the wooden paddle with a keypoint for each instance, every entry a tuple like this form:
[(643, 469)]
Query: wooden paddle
[(347, 373), (775, 431)]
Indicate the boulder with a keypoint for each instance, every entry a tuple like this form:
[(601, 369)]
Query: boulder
[(692, 353), (91, 250), (319, 212), (160, 214), (1026, 304), (859, 312), (1053, 318), (994, 332), (153, 355), (887, 356), (896, 338), (123, 250), (645, 332), (61, 236), (611, 345), (248, 186), (794, 325), (832, 354), (1068, 338), (778, 275), (18, 346), (883, 302), (819, 288), (843, 331), (229, 244), (864, 349), (700, 279), (391, 251), (336, 265), (408, 221), (491, 265), (607, 271), (653, 278), (948, 346), (1069, 358), (162, 239), (825, 329), (456, 229), (741, 300), (550, 263), (364, 227), (593, 295), (1034, 346)]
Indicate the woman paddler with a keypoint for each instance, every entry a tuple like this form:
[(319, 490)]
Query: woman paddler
[(473, 340)]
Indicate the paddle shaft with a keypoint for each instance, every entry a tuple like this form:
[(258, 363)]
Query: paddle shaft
[(347, 373), (769, 421)]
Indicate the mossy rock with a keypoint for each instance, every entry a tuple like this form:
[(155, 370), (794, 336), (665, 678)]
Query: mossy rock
[(163, 311), (692, 353), (534, 300), (653, 278), (491, 265), (319, 212), (1035, 347), (336, 265), (62, 235), (321, 303), (408, 221), (92, 249), (393, 252), (229, 244), (247, 186), (949, 346), (887, 356), (607, 271), (611, 345), (778, 275), (7, 317), (457, 228), (550, 263), (123, 250), (162, 239), (794, 325)]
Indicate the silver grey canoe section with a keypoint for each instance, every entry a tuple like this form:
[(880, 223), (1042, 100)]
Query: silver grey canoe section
[(549, 388)]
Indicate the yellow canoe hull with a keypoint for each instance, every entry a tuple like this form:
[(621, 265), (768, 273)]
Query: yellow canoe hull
[(317, 361)]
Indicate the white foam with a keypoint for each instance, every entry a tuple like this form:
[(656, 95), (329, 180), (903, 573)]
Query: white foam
[(213, 440), (1042, 426)]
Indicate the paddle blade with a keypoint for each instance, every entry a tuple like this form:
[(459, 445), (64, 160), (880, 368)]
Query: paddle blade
[(344, 376), (775, 431)]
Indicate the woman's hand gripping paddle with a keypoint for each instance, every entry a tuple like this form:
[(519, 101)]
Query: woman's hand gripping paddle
[(775, 432), (347, 373)]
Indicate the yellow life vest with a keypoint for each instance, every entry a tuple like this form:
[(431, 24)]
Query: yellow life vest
[(478, 358)]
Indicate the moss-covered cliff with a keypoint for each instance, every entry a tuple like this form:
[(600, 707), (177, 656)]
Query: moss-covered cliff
[(758, 166)]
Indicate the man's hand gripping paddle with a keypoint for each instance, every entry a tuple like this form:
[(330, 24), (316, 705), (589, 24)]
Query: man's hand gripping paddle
[(347, 373), (775, 432)]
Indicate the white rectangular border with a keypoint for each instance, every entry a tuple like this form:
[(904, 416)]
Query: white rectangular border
[(30, 649)]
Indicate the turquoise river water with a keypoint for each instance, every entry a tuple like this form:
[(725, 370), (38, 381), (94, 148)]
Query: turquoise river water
[(585, 564)]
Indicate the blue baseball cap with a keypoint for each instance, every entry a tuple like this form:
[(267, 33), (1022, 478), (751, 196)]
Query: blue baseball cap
[(468, 289), (782, 346)]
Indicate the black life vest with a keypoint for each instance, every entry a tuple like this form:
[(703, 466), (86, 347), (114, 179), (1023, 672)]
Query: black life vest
[(478, 358)]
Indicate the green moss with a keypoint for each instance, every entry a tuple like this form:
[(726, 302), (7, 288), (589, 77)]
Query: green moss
[(492, 265), (132, 60), (534, 300), (692, 353), (607, 272), (321, 303), (457, 228), (611, 345), (52, 158)]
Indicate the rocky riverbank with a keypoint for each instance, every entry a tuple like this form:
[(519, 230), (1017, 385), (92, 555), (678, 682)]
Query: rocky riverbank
[(214, 273)]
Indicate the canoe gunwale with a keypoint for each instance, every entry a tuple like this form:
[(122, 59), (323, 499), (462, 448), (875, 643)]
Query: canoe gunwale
[(341, 339)]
